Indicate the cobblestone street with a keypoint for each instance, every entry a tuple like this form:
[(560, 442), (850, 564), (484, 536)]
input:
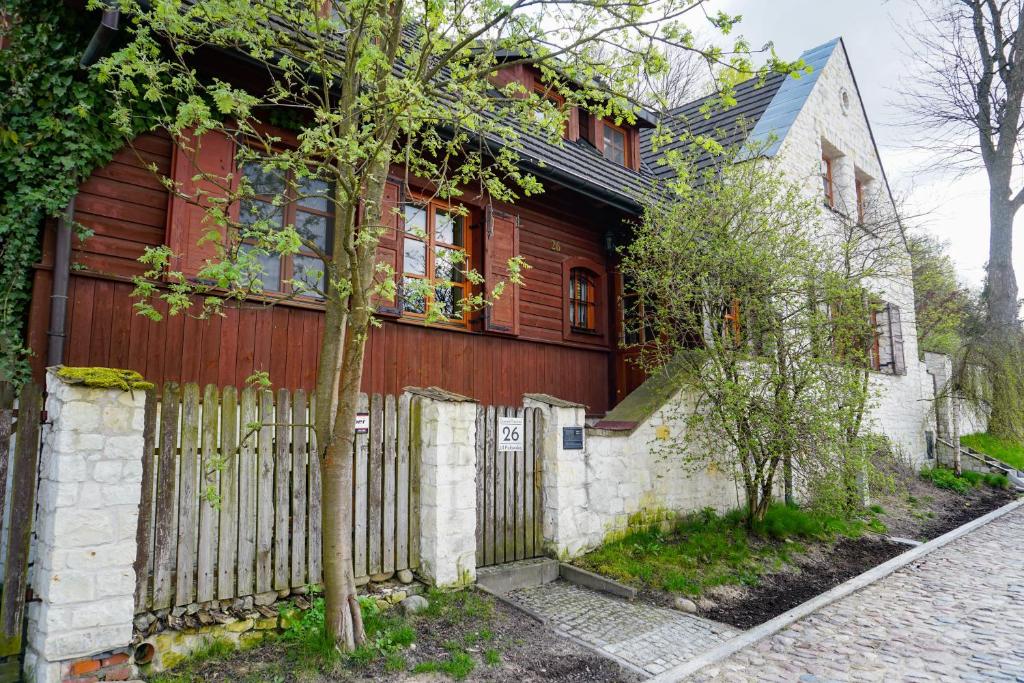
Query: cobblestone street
[(650, 638), (955, 615)]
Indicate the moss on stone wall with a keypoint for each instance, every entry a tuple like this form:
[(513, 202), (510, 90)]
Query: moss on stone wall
[(104, 378)]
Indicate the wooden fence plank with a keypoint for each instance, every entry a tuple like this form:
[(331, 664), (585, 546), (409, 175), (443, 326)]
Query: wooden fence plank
[(481, 498), (388, 500), (184, 580), (519, 528), (374, 485), (522, 505), (415, 455), (249, 416), (491, 488), (316, 546), (206, 579), (265, 495), (144, 531), (19, 531), (500, 471), (359, 478), (299, 480), (227, 550), (165, 537), (529, 541), (402, 483), (510, 498), (282, 489)]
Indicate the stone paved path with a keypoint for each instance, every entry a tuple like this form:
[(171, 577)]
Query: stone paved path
[(955, 615), (650, 638)]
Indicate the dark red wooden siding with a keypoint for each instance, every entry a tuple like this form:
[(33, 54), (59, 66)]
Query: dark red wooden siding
[(103, 330), (126, 207)]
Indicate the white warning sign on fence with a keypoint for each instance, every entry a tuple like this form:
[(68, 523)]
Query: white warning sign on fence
[(510, 434)]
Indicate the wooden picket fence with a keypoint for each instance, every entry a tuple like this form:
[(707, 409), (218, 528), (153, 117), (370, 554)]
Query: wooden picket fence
[(231, 498), (19, 458), (508, 489)]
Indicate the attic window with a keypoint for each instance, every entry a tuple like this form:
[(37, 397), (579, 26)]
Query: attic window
[(614, 139)]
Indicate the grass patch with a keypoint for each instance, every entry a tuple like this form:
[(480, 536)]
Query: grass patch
[(706, 549), (1010, 452), (945, 478), (458, 666), (217, 648)]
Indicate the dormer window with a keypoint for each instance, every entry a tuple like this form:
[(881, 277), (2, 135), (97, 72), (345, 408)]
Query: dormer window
[(615, 144)]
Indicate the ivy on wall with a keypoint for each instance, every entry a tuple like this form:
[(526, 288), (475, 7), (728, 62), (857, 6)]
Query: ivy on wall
[(54, 131)]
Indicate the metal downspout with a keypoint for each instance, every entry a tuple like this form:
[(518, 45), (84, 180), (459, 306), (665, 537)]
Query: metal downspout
[(59, 296)]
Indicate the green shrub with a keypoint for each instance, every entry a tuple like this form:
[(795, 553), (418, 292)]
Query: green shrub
[(996, 481), (386, 633), (946, 479)]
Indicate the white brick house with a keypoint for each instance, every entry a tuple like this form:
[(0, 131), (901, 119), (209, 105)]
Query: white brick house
[(820, 128), (803, 122)]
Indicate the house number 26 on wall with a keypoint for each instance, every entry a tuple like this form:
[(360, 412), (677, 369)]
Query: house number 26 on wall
[(510, 434)]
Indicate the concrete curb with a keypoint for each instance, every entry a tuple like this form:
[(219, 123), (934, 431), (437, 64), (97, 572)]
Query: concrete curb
[(581, 577), (855, 584)]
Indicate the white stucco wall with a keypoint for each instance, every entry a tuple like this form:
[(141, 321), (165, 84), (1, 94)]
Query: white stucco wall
[(903, 408), (621, 479)]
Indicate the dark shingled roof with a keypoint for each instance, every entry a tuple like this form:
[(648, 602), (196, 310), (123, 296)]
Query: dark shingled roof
[(729, 126)]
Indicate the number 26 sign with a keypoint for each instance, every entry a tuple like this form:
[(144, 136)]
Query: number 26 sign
[(510, 434)]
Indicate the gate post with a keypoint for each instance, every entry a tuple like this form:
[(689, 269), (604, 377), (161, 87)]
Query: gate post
[(563, 475), (443, 440), (90, 478)]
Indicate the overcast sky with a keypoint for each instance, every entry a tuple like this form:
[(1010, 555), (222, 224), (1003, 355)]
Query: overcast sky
[(957, 208)]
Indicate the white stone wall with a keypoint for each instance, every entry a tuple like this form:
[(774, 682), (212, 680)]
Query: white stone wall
[(447, 442), (903, 406), (90, 476), (973, 417), (620, 480)]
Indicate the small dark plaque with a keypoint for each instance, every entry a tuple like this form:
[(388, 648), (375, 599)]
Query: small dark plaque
[(572, 438)]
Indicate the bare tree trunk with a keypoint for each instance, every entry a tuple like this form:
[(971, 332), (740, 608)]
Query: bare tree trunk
[(342, 615), (1001, 288), (954, 408)]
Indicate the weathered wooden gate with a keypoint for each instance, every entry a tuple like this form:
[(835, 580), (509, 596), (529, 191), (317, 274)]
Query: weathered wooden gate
[(231, 499), (508, 485), (19, 455)]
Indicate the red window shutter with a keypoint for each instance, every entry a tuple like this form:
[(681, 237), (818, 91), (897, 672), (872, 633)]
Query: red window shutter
[(211, 154), (389, 248), (501, 243)]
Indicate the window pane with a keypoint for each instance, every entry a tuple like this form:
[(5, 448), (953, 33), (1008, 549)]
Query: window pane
[(449, 264), (415, 257), (309, 270), (449, 298), (313, 227), (313, 194), (269, 274), (253, 210), (263, 181), (448, 228), (416, 219), (412, 299), (614, 145)]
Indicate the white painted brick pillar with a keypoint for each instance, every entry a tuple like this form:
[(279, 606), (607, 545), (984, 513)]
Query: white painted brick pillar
[(563, 475), (444, 432), (90, 475)]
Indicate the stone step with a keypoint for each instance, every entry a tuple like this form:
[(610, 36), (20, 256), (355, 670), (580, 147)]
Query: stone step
[(512, 576)]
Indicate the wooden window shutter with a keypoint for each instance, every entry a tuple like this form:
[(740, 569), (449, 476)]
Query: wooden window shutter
[(899, 363), (501, 243), (389, 248), (211, 154)]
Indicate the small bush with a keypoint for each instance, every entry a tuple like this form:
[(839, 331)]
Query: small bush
[(996, 481), (946, 479)]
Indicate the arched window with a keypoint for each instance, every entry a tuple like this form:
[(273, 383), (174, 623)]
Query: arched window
[(582, 300)]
